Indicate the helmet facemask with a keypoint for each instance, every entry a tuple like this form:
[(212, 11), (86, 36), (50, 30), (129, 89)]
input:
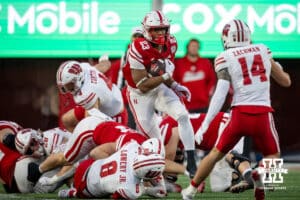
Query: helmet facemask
[(30, 142), (153, 23)]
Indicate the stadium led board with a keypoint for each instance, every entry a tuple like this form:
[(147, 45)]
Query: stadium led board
[(87, 28)]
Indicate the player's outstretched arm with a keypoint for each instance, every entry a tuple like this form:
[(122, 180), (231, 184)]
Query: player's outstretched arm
[(280, 76), (173, 167), (52, 161), (66, 172), (216, 102)]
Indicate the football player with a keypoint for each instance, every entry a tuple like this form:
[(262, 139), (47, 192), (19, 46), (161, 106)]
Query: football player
[(148, 72), (248, 68), (120, 175), (90, 89), (36, 146)]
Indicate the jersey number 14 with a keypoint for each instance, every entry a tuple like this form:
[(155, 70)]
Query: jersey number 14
[(257, 69)]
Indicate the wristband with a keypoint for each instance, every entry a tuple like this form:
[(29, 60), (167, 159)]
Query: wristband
[(166, 76)]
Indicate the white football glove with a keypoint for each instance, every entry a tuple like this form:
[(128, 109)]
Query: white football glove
[(181, 91), (48, 181), (199, 134), (169, 66)]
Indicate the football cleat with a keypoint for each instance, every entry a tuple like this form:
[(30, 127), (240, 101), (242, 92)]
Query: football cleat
[(188, 193)]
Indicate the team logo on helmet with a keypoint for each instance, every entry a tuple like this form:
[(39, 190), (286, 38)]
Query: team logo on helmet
[(226, 29), (75, 69)]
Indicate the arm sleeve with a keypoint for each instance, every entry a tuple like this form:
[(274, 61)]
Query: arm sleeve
[(212, 78), (217, 101)]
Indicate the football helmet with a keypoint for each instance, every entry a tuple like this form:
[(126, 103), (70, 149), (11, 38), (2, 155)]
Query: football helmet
[(236, 33), (29, 142), (153, 145), (70, 72), (153, 20), (148, 166)]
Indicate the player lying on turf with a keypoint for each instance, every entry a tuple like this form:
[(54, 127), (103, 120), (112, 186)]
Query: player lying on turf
[(121, 175)]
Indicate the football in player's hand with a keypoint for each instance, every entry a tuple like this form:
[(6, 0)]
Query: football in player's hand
[(157, 68)]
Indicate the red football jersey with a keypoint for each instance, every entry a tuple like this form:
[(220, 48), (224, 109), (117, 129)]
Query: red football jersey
[(110, 131), (199, 77), (142, 51), (209, 138), (8, 159), (113, 71)]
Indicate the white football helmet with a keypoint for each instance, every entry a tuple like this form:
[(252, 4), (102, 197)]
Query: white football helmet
[(153, 145), (156, 19), (148, 166), (29, 142), (236, 33), (70, 72)]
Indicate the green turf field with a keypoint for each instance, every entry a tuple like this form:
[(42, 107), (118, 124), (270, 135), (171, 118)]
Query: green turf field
[(291, 184)]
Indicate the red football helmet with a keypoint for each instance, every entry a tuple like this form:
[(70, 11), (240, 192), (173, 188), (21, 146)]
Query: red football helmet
[(156, 20), (236, 33)]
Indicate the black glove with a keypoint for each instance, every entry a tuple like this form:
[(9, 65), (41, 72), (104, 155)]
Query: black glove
[(33, 172)]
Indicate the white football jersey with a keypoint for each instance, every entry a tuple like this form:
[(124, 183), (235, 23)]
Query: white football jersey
[(97, 86), (54, 139), (249, 68), (116, 174)]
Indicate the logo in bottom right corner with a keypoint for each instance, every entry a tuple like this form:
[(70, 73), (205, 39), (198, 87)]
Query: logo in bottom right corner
[(273, 171)]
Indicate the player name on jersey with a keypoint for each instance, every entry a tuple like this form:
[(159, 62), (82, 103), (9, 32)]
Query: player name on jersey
[(123, 165), (244, 51)]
